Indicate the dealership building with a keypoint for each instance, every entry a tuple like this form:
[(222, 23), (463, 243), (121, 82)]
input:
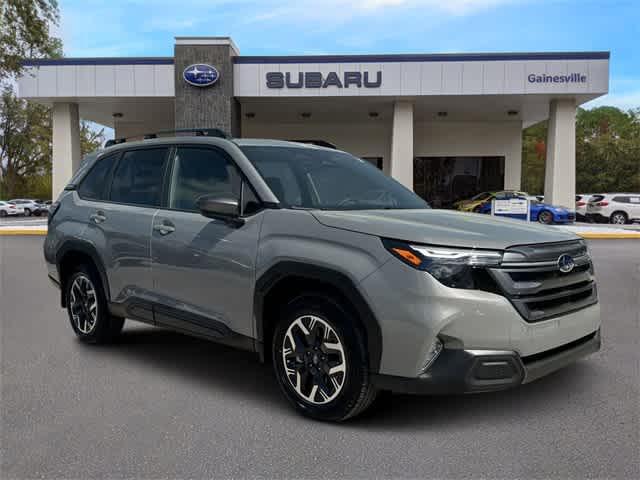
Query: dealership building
[(446, 125)]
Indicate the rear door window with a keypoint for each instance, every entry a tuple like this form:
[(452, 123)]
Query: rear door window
[(621, 199), (137, 179)]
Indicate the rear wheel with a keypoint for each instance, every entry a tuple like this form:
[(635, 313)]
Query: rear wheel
[(87, 307), (27, 212), (476, 209), (3, 213), (320, 360), (545, 217), (618, 218)]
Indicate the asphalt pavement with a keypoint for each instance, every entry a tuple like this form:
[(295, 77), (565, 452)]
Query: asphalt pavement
[(162, 405)]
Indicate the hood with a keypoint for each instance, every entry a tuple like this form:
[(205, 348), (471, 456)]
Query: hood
[(443, 227)]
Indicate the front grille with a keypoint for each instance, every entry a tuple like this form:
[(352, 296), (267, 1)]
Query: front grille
[(531, 280)]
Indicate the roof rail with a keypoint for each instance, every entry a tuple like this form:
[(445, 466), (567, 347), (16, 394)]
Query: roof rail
[(198, 132), (181, 132)]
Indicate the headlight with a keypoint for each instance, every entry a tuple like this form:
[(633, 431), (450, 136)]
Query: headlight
[(453, 267)]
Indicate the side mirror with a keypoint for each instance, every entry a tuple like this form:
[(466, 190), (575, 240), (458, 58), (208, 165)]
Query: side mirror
[(220, 207)]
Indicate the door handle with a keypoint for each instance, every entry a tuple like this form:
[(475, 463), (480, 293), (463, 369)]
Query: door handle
[(164, 229), (98, 217)]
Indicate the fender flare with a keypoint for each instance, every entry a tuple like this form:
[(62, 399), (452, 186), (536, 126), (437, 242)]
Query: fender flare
[(335, 279), (86, 248)]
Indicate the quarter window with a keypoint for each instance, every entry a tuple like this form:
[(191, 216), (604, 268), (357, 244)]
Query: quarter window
[(92, 187), (138, 177), (198, 172)]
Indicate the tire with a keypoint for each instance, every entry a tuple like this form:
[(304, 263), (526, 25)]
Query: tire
[(338, 396), (618, 218), (3, 213), (37, 213), (545, 217), (85, 295), (476, 209), (27, 212)]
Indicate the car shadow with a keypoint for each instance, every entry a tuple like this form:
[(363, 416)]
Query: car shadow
[(217, 368), (212, 366)]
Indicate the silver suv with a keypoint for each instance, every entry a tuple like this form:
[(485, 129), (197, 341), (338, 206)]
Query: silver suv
[(342, 278)]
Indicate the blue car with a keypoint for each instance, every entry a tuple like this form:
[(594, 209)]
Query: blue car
[(540, 212)]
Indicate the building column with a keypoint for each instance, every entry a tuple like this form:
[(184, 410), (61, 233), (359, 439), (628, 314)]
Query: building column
[(401, 165), (66, 144), (560, 167), (513, 162)]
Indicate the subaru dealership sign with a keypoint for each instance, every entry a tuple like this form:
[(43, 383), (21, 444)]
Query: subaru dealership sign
[(200, 75), (319, 80)]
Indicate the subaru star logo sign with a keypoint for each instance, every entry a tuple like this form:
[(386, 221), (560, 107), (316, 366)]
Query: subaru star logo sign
[(200, 75), (566, 263)]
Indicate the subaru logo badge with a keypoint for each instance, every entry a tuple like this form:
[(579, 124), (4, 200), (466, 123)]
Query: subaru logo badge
[(200, 75), (566, 263)]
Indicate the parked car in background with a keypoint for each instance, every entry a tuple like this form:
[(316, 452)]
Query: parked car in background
[(581, 206), (539, 211), (45, 205), (8, 209), (474, 204), (616, 208), (31, 207)]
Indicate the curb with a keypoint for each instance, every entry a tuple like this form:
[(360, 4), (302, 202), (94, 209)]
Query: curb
[(23, 231), (612, 236)]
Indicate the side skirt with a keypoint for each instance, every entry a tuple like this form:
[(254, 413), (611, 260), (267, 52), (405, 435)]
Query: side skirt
[(182, 322)]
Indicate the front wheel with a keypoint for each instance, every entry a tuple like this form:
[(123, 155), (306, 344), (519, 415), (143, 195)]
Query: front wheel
[(87, 308), (320, 360), (3, 213), (545, 217)]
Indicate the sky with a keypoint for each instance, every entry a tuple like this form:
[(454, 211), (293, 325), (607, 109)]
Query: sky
[(93, 28)]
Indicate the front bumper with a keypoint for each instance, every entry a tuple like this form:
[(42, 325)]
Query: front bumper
[(469, 371), (564, 218)]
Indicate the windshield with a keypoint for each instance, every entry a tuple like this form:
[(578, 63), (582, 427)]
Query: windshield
[(328, 180), (481, 196)]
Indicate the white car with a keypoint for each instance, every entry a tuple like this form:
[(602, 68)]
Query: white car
[(617, 208), (581, 206), (31, 207), (7, 209)]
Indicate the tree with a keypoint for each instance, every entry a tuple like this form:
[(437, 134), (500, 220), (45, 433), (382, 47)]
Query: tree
[(25, 33), (607, 152), (25, 141), (26, 146)]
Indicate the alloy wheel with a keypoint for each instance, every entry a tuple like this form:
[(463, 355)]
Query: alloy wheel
[(83, 304), (314, 359), (545, 217), (618, 219)]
